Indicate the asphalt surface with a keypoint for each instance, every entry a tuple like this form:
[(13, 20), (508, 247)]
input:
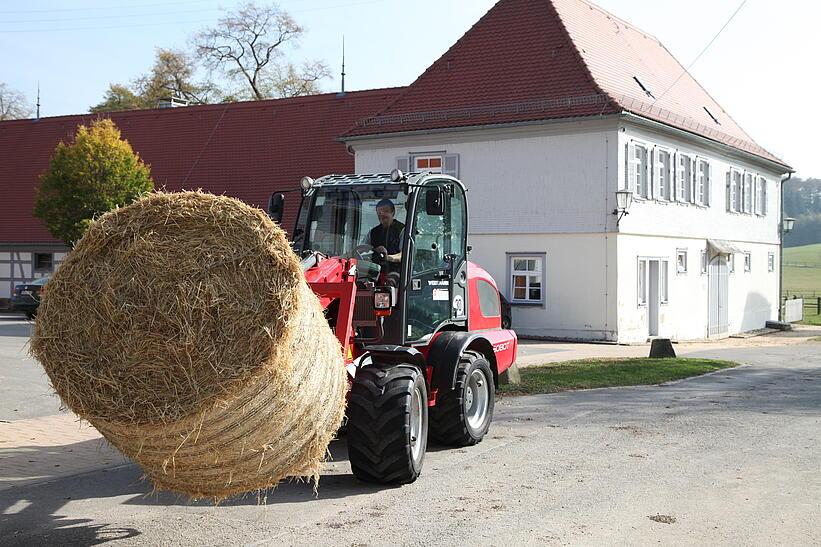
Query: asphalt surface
[(23, 383), (729, 458)]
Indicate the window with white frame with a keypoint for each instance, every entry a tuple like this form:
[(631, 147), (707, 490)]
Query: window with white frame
[(704, 261), (747, 200), (731, 262), (748, 262), (664, 293), (760, 196), (642, 282), (663, 171), (702, 183), (432, 162), (637, 170), (770, 262), (681, 260), (684, 179), (734, 190), (527, 276)]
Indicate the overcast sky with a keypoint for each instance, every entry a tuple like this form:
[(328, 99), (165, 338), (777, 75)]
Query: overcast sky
[(763, 69)]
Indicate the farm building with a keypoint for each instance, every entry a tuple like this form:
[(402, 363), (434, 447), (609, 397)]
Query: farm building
[(546, 109)]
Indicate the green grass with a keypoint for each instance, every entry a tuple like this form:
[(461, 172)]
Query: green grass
[(804, 282), (591, 373), (805, 254), (811, 317)]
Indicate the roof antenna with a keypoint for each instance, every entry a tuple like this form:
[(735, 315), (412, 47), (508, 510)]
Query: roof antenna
[(343, 65), (38, 99)]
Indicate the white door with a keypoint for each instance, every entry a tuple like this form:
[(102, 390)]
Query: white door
[(718, 322), (653, 299)]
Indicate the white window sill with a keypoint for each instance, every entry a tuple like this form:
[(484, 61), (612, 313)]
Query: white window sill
[(526, 303)]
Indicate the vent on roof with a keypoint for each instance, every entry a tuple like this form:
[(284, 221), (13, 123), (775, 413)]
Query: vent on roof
[(641, 85), (172, 102), (711, 115)]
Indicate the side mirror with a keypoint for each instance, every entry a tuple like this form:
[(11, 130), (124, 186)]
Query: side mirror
[(276, 206), (435, 201)]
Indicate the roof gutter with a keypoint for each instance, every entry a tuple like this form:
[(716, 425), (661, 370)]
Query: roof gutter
[(641, 120), (446, 130)]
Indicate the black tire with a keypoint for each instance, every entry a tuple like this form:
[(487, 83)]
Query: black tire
[(382, 447), (454, 419)]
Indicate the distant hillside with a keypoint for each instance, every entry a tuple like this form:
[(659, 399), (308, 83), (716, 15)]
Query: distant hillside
[(802, 271), (802, 201), (809, 255)]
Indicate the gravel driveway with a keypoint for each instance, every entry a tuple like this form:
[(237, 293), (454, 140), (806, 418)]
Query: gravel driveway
[(731, 458)]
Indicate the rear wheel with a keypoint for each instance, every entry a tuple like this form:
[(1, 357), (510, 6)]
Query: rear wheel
[(462, 416), (388, 424)]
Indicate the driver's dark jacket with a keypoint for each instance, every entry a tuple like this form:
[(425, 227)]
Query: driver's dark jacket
[(391, 238)]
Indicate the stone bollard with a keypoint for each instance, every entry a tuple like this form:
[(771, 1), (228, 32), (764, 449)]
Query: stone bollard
[(662, 348)]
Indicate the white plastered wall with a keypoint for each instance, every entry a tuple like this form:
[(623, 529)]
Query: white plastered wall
[(580, 296), (751, 295), (537, 189)]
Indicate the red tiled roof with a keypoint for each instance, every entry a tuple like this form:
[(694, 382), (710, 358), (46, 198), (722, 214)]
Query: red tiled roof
[(246, 150), (529, 60)]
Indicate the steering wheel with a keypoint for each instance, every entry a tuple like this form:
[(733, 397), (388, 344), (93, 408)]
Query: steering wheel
[(361, 250), (375, 256)]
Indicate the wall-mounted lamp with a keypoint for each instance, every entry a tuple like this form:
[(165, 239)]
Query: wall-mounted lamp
[(789, 224), (623, 200)]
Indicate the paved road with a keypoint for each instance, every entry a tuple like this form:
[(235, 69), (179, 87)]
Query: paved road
[(731, 458), (24, 387)]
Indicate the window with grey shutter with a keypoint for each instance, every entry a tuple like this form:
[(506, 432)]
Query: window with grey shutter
[(451, 166), (403, 163)]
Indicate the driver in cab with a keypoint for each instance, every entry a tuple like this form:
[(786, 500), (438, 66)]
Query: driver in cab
[(387, 237)]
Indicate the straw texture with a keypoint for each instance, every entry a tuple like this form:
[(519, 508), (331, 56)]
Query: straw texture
[(183, 329)]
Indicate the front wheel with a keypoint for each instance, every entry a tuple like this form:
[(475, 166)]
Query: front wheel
[(462, 416), (388, 424)]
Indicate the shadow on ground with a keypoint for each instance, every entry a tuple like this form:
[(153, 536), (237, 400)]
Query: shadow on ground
[(32, 514)]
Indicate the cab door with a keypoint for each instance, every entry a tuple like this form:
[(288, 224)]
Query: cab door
[(436, 291)]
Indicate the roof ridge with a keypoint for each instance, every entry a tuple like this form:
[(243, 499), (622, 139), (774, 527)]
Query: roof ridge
[(258, 103), (611, 15), (580, 57), (404, 92)]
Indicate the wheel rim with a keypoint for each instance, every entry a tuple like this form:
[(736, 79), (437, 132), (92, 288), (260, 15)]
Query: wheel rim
[(477, 397), (416, 440)]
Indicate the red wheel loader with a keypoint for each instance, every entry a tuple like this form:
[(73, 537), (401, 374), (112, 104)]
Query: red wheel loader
[(419, 324)]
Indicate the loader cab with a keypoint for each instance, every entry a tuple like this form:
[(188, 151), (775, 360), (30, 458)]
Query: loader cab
[(425, 267)]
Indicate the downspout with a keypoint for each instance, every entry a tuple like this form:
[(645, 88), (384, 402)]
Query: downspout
[(781, 247)]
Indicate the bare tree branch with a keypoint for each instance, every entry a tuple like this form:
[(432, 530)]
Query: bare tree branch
[(246, 44), (13, 104)]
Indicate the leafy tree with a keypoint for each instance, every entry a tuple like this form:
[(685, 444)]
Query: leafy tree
[(802, 201), (172, 74), (118, 97), (247, 46), (13, 105), (94, 174)]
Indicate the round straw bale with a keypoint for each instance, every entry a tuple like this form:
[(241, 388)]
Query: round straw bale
[(182, 328)]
